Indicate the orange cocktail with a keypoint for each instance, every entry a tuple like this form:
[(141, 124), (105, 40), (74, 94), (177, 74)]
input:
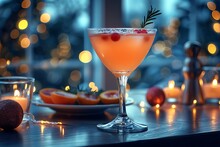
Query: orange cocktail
[(121, 50), (121, 53)]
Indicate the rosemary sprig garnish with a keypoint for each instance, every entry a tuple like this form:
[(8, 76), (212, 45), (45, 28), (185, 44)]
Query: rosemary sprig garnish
[(151, 15)]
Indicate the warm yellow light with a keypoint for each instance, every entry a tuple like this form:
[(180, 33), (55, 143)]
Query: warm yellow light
[(173, 106), (94, 89), (214, 82), (22, 24), (34, 89), (91, 84), (200, 81), (215, 15), (85, 56), (67, 88), (216, 27), (183, 87), (142, 104), (8, 62), (194, 102), (16, 93), (212, 48), (211, 6), (142, 110), (171, 84), (45, 18), (25, 42), (157, 106)]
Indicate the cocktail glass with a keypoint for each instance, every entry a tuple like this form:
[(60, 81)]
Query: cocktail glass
[(122, 50)]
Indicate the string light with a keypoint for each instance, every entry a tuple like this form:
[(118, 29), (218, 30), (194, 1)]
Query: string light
[(85, 56), (212, 49), (45, 18), (22, 24), (26, 4)]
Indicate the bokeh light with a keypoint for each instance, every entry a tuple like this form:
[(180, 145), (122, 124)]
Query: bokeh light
[(22, 24), (34, 38), (85, 56), (211, 6), (75, 75), (216, 27), (41, 28), (3, 63), (25, 42), (14, 34), (212, 49), (91, 84), (23, 68), (45, 18), (40, 6), (25, 3), (67, 88), (215, 15)]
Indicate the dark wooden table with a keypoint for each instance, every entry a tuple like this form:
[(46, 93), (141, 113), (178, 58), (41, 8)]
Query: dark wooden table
[(180, 126)]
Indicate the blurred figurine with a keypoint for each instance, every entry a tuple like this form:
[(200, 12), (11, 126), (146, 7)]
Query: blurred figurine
[(192, 70)]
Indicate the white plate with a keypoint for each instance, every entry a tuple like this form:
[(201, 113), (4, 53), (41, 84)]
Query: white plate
[(78, 109)]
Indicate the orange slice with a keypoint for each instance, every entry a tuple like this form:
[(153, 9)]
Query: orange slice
[(109, 97), (87, 99), (45, 94), (62, 97)]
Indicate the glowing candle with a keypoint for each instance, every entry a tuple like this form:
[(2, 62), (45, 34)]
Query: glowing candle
[(212, 90), (19, 99), (171, 91)]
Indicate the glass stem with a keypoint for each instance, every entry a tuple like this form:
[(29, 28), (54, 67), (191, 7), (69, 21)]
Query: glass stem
[(122, 82)]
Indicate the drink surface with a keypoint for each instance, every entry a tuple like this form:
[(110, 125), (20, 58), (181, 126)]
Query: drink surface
[(122, 53)]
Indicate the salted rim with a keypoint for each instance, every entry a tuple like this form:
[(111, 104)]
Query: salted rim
[(121, 30)]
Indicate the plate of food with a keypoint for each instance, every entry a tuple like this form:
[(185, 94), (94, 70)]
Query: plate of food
[(78, 104)]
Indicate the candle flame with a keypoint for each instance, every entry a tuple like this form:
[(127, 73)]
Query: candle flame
[(171, 84), (214, 82), (157, 106), (173, 106), (16, 93), (194, 102)]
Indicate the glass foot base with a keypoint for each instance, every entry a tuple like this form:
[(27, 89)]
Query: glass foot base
[(122, 125)]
